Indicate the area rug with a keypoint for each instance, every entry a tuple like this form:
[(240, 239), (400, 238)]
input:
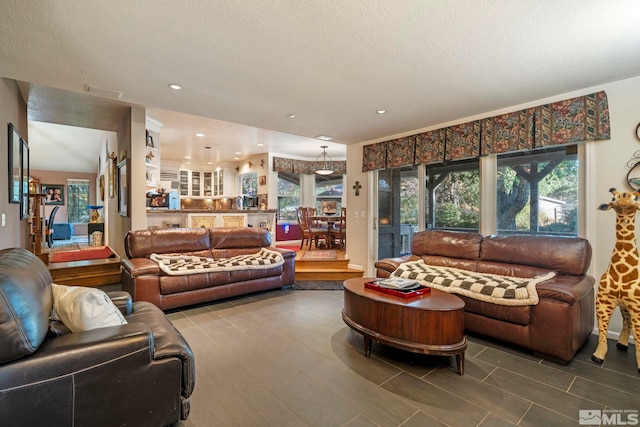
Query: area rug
[(318, 285), (319, 254)]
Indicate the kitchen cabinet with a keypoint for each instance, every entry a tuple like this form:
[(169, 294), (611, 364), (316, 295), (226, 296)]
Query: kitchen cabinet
[(216, 184)]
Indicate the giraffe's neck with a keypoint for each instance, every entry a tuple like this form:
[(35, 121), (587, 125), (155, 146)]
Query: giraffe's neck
[(625, 235)]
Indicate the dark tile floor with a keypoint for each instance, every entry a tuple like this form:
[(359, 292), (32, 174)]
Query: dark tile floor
[(285, 358)]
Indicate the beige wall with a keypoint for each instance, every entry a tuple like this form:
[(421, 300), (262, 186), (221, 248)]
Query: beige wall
[(12, 110)]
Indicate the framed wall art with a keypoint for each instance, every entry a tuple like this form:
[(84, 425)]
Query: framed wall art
[(53, 194), (123, 193), (15, 165)]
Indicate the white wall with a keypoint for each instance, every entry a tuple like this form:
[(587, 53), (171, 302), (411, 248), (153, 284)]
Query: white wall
[(606, 165)]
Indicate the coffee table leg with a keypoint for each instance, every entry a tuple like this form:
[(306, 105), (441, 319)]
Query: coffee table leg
[(460, 363), (367, 345)]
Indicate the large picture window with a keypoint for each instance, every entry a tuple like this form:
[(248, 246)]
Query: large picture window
[(453, 196), (537, 192), (78, 200), (288, 196), (328, 193)]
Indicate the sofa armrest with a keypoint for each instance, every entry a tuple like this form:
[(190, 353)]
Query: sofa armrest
[(388, 265), (139, 266), (565, 288), (122, 300), (68, 354), (168, 342)]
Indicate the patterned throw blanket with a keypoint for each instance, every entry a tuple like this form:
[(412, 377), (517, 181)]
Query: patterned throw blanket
[(493, 288), (176, 265)]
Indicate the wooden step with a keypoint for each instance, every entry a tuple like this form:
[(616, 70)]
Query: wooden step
[(323, 263), (326, 274)]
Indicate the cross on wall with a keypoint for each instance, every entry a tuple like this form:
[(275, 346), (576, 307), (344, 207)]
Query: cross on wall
[(357, 187)]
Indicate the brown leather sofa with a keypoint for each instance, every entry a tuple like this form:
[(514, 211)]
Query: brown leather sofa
[(140, 373), (144, 280), (558, 325)]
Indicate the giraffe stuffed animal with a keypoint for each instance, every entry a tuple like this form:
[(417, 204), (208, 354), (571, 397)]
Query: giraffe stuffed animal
[(620, 284)]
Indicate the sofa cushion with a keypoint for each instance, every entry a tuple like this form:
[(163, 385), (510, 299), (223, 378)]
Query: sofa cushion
[(25, 303), (234, 238), (520, 315), (454, 244), (83, 309), (564, 255), (142, 243)]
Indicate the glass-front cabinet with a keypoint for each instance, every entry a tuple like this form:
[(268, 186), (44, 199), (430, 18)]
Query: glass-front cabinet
[(184, 183), (207, 184), (196, 183)]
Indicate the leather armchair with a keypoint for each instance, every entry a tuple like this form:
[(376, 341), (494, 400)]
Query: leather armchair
[(140, 373)]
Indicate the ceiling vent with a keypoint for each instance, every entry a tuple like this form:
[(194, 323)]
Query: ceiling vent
[(105, 93)]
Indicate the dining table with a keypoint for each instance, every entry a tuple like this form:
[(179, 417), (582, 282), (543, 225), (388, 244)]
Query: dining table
[(328, 218)]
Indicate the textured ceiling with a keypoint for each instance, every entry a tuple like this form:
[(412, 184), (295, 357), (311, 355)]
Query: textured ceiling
[(332, 63)]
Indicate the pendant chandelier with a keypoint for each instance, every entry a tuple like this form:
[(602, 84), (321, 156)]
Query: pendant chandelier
[(323, 164)]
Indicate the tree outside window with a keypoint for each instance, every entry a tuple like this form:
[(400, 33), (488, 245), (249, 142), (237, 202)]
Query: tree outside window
[(78, 200), (288, 196)]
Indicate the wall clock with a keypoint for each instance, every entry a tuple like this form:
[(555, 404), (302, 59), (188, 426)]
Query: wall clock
[(638, 131)]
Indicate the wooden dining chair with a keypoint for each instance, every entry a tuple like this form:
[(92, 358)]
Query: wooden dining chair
[(49, 226), (339, 230), (309, 233)]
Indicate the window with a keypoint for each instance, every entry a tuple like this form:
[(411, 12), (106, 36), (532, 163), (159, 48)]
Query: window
[(537, 192), (328, 193), (78, 200), (288, 196), (452, 198)]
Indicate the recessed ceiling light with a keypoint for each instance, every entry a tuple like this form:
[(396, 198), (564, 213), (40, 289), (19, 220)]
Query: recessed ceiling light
[(187, 157), (291, 116), (175, 86), (199, 135), (209, 163), (237, 153), (259, 144), (381, 111), (324, 137), (236, 158)]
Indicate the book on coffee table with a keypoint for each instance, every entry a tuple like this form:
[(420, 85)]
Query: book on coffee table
[(405, 290)]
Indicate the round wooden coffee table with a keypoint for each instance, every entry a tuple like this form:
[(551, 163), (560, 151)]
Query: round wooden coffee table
[(429, 324)]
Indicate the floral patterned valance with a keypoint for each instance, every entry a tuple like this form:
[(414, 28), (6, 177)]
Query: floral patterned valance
[(374, 156), (401, 152), (584, 118), (463, 141), (282, 164), (508, 132), (430, 147)]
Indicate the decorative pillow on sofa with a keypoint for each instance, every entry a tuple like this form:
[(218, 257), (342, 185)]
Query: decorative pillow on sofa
[(82, 309)]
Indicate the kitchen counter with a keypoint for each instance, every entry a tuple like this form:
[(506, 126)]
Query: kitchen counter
[(213, 211), (212, 218)]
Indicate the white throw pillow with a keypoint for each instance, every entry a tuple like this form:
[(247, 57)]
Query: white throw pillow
[(82, 309)]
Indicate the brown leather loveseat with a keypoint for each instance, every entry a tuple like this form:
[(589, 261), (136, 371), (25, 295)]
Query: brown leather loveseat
[(558, 325), (140, 373), (145, 281)]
